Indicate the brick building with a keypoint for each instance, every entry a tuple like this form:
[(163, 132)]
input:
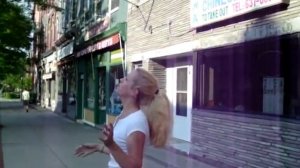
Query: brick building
[(231, 71)]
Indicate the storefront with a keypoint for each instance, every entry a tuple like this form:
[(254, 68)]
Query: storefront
[(246, 89), (250, 77), (99, 67), (66, 81), (49, 85), (255, 72)]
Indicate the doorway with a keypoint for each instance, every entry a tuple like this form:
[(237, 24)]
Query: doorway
[(180, 95)]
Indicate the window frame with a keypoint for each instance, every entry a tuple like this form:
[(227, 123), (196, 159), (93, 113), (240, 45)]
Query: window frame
[(113, 10), (200, 95)]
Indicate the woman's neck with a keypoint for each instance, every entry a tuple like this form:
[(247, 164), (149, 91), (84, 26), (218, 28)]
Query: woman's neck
[(129, 107)]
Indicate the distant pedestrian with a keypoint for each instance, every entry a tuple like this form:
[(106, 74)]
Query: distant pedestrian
[(146, 118), (25, 99)]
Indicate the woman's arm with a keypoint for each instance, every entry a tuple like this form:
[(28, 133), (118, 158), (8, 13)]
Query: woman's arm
[(87, 149), (104, 149)]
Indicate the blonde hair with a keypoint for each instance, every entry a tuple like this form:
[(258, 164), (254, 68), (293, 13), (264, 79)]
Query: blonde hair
[(156, 107)]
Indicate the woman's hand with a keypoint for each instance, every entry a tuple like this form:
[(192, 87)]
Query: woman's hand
[(107, 135), (87, 149)]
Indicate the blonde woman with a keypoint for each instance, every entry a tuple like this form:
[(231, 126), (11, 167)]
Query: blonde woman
[(146, 118)]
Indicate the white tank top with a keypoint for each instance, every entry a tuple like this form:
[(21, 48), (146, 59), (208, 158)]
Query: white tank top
[(135, 121)]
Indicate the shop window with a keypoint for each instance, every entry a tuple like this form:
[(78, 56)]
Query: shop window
[(116, 74), (60, 81), (234, 79), (71, 85), (102, 98), (90, 89), (53, 89)]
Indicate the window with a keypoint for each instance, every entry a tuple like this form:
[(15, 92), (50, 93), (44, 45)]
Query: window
[(90, 86), (114, 5), (232, 79), (71, 85), (136, 65), (181, 92), (80, 7), (88, 10), (102, 98), (116, 74), (101, 8), (53, 89), (60, 80)]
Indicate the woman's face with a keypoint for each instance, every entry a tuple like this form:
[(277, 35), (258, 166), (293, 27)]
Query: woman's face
[(126, 88)]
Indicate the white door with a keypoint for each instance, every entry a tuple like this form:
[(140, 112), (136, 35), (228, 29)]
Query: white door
[(179, 91)]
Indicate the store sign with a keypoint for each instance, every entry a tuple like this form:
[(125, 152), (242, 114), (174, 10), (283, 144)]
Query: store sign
[(65, 51), (97, 28), (255, 32), (48, 76), (100, 45), (116, 56), (204, 12)]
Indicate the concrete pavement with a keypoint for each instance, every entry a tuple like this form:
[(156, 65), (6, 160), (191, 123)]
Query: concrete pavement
[(43, 139)]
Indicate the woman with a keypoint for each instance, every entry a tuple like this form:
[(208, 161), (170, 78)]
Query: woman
[(146, 118)]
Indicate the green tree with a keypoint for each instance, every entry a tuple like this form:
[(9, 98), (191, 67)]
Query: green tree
[(26, 83), (15, 29), (11, 83), (16, 82)]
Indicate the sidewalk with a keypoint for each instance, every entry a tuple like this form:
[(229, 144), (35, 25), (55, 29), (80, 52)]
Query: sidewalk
[(44, 139), (10, 103), (176, 149)]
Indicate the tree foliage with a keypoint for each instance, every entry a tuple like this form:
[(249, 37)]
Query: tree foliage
[(16, 82), (11, 83), (15, 29)]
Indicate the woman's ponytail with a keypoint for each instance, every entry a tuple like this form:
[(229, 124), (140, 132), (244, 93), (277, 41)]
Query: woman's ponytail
[(156, 106), (160, 120)]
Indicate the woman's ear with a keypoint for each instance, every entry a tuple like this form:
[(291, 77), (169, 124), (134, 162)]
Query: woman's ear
[(135, 92)]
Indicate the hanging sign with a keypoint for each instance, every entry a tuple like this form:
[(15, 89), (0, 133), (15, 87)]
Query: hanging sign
[(204, 12), (48, 76)]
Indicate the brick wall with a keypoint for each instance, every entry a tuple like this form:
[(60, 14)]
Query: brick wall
[(163, 35), (159, 71), (163, 12), (224, 139), (244, 140)]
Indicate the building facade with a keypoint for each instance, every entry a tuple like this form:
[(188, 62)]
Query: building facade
[(236, 67), (66, 71), (81, 58), (99, 51), (44, 52)]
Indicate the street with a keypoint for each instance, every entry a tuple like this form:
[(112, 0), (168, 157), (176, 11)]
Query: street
[(43, 139)]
